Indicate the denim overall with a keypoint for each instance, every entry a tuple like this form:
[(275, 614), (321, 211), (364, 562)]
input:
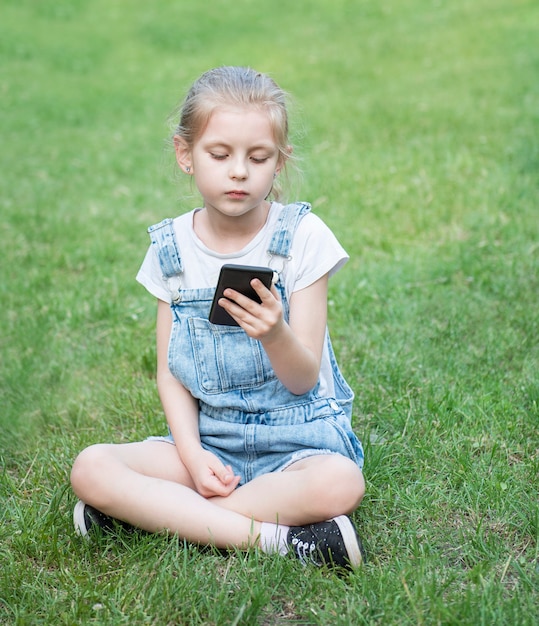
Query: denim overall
[(247, 417)]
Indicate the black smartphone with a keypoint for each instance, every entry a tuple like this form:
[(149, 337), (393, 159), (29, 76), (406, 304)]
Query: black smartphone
[(237, 277)]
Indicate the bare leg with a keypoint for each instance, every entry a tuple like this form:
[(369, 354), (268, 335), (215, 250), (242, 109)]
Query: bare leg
[(312, 490), (146, 485)]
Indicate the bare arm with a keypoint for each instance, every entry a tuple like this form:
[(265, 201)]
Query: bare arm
[(210, 476), (294, 349), (181, 409)]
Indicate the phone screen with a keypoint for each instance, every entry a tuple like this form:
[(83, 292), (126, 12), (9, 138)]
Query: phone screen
[(237, 277)]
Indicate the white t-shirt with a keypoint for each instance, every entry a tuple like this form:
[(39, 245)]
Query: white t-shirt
[(315, 252)]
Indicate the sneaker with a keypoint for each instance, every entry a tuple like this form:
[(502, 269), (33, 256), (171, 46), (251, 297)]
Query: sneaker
[(85, 517), (334, 543)]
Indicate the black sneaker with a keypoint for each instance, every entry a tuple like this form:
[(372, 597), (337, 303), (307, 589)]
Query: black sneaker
[(85, 517), (334, 543)]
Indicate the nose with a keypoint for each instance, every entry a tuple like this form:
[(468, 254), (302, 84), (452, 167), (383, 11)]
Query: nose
[(238, 169)]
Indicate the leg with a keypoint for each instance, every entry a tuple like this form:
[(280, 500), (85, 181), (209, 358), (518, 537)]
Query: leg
[(146, 485), (311, 490), (294, 505)]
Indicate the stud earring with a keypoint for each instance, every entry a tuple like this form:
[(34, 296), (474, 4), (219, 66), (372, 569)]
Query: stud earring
[(187, 170)]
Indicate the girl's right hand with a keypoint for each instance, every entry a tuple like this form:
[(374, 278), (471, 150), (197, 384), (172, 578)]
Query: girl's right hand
[(210, 476)]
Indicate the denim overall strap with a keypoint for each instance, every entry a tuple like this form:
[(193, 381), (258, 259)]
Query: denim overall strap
[(162, 236), (168, 254), (286, 225)]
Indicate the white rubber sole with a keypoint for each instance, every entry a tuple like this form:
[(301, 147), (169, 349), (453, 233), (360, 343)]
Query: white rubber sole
[(78, 519), (349, 536)]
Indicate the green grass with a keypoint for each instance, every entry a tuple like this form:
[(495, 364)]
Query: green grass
[(417, 124)]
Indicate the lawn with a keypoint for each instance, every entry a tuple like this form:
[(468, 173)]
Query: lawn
[(416, 124)]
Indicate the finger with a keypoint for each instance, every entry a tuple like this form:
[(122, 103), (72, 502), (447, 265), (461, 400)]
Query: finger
[(215, 487), (233, 484), (226, 476), (262, 291), (231, 308), (223, 473), (238, 298), (275, 293)]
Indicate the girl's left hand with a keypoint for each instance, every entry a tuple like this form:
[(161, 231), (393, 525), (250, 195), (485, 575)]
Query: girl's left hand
[(258, 320)]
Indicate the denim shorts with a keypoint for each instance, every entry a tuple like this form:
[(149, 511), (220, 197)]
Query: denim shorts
[(261, 445)]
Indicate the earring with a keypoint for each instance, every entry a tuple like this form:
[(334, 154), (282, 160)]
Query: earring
[(187, 170), (275, 174)]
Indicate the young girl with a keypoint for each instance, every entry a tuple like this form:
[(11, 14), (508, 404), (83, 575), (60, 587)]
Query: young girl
[(260, 451)]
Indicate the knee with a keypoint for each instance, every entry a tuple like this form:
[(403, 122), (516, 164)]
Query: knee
[(342, 487), (88, 468)]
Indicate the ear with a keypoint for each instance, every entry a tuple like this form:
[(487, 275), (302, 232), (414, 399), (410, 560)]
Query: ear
[(183, 154), (283, 159)]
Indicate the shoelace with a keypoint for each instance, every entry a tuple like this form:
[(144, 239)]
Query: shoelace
[(304, 550)]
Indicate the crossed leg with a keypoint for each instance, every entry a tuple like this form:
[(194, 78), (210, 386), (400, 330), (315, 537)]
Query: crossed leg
[(147, 485)]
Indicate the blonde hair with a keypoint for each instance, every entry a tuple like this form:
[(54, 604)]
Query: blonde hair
[(234, 86)]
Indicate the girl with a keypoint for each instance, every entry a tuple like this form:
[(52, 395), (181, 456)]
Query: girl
[(260, 450)]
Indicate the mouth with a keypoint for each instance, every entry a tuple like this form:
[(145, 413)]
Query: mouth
[(236, 194)]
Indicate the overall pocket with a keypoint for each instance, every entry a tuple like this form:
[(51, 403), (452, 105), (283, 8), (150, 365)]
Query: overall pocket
[(226, 358)]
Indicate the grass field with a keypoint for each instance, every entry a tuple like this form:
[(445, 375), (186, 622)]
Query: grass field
[(417, 125)]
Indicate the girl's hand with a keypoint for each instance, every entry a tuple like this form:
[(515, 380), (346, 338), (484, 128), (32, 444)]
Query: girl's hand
[(210, 476), (258, 320)]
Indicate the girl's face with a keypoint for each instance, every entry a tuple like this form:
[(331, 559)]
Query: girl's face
[(234, 160)]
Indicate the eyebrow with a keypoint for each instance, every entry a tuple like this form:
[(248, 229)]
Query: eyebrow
[(222, 144)]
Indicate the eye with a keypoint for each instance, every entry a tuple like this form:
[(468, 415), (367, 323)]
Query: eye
[(257, 159), (218, 156)]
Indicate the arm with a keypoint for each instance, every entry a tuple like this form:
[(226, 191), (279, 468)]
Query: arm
[(210, 476), (294, 349), (181, 409)]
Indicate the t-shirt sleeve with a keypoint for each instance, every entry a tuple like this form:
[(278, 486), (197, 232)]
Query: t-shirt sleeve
[(151, 277), (315, 252)]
